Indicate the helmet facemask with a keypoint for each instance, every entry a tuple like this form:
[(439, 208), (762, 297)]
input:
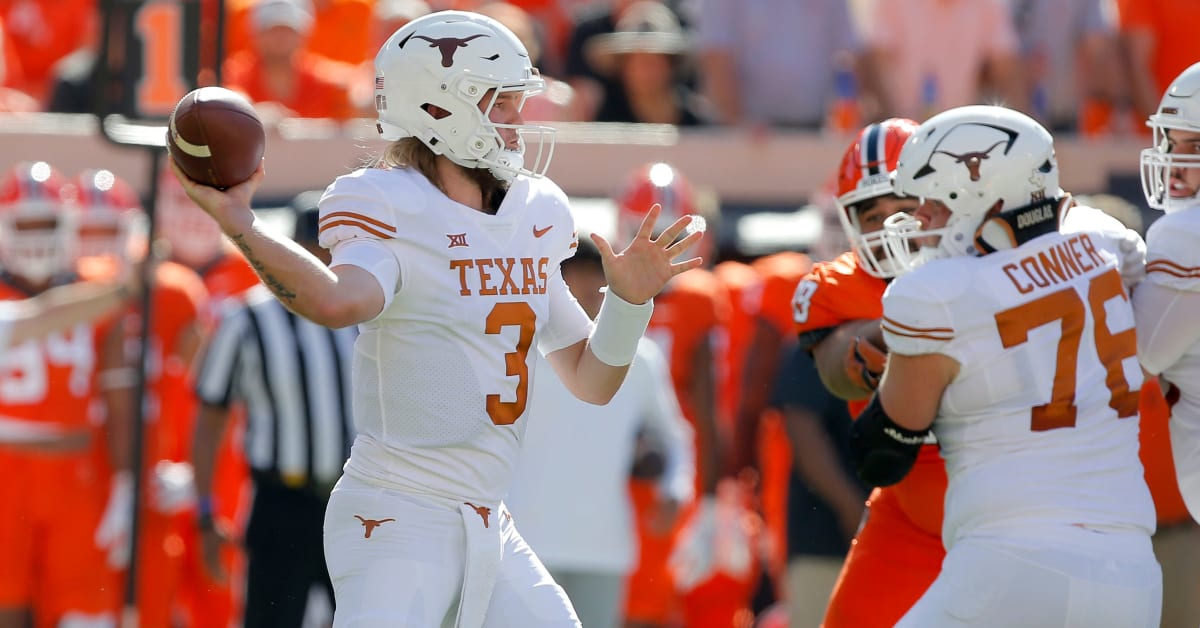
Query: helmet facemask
[(454, 61), (982, 163), (870, 246), (1178, 111), (36, 242), (865, 177), (1158, 163), (108, 232)]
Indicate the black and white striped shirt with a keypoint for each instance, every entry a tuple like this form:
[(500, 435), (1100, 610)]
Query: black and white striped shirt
[(293, 377)]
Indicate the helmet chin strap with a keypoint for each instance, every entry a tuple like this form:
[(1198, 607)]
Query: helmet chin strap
[(507, 164), (1007, 230)]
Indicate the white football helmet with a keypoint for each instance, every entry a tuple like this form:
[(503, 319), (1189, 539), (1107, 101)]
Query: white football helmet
[(993, 167), (451, 59), (1179, 110)]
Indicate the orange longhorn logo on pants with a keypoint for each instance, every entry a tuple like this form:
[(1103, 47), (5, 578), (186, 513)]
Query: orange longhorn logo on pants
[(371, 524)]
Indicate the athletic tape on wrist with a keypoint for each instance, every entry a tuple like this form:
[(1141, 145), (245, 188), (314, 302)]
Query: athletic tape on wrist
[(619, 326)]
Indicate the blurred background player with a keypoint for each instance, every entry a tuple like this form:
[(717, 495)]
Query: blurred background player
[(58, 309), (572, 448), (298, 437), (194, 240), (680, 572), (112, 227), (55, 541), (824, 497), (837, 307), (760, 438)]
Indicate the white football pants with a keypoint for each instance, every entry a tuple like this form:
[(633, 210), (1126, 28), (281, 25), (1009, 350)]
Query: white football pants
[(990, 583), (399, 559)]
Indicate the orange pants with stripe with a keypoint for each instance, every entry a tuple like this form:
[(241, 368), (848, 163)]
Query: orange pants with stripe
[(50, 563), (891, 563)]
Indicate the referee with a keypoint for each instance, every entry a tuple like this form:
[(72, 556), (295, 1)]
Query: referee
[(293, 378)]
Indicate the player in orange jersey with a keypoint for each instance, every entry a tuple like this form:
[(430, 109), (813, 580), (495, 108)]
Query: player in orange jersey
[(64, 510), (760, 439), (680, 572), (111, 225), (898, 551), (194, 240)]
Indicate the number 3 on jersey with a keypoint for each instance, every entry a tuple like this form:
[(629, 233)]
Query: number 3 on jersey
[(1066, 306), (520, 315)]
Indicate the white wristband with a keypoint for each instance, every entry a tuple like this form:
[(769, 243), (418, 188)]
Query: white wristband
[(619, 326)]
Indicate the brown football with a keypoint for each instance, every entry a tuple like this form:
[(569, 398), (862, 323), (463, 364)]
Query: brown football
[(216, 137)]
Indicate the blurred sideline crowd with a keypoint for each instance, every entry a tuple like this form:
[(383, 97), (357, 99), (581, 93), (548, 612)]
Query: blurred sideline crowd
[(769, 508), (1080, 66)]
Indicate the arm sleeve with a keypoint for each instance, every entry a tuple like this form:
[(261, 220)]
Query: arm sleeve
[(1166, 324), (1173, 258), (568, 323), (219, 367), (355, 221), (373, 257), (664, 417)]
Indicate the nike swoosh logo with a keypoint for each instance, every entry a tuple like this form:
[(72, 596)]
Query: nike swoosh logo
[(537, 233)]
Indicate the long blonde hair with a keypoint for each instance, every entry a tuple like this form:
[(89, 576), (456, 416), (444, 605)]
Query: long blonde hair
[(410, 152)]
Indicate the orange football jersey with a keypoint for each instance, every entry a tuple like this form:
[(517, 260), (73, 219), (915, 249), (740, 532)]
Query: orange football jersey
[(743, 286), (51, 562), (835, 292), (228, 276), (692, 309), (898, 551), (780, 273), (210, 604), (839, 291), (50, 379)]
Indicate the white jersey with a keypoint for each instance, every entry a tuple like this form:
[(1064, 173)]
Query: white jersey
[(1039, 429), (1167, 305), (1173, 262), (590, 449), (442, 376)]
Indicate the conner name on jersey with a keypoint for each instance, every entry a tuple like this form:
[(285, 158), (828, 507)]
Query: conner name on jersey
[(501, 276), (1075, 256)]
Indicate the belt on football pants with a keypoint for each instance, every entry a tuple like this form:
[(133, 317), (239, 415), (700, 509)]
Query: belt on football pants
[(482, 524)]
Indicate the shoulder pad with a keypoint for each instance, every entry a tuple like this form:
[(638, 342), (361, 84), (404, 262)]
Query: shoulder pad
[(916, 318), (360, 205), (1173, 257)]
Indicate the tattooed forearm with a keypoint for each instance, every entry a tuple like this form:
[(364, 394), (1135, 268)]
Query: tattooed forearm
[(270, 281)]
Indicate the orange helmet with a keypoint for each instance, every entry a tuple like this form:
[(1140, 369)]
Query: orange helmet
[(110, 217), (37, 210), (194, 237), (865, 173), (653, 183)]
